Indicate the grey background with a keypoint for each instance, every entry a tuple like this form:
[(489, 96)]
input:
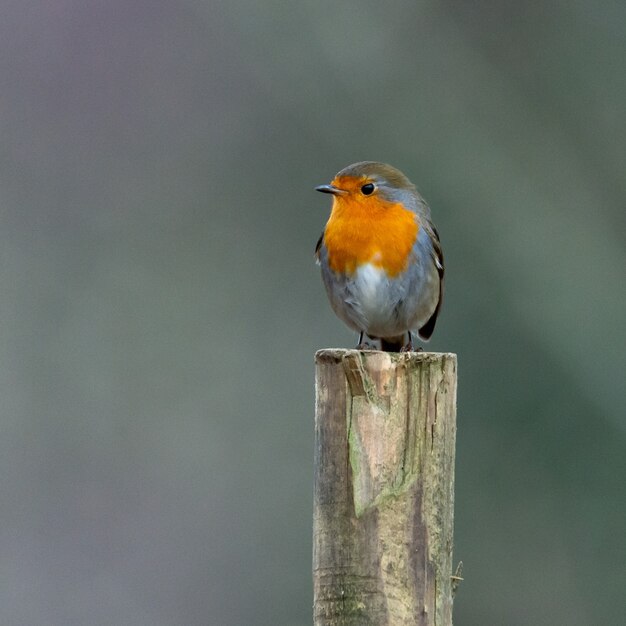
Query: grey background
[(160, 307)]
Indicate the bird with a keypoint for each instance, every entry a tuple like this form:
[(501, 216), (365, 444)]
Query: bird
[(380, 257)]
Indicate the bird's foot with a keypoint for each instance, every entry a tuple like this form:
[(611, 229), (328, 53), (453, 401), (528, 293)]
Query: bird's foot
[(409, 348), (364, 345)]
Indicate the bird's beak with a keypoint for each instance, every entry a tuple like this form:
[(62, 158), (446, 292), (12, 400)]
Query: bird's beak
[(330, 189)]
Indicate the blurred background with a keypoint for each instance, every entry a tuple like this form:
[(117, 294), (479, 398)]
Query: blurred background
[(160, 306)]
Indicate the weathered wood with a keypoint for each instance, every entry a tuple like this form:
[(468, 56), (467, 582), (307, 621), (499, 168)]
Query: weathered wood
[(385, 428)]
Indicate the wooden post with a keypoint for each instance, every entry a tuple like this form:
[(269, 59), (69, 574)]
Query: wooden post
[(385, 428)]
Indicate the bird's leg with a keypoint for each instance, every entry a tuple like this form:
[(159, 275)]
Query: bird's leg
[(364, 345), (408, 347)]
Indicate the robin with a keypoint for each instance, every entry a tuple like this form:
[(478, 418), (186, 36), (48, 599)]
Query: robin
[(380, 255)]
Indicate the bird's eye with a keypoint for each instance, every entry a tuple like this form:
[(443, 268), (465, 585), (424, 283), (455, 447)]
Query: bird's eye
[(368, 189)]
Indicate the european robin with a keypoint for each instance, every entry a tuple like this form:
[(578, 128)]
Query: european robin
[(380, 255)]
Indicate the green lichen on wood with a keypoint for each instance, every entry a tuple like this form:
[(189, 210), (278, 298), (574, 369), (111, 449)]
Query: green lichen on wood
[(406, 474), (394, 419)]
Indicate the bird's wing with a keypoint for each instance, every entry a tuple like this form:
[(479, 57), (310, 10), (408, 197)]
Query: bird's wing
[(427, 329), (318, 247)]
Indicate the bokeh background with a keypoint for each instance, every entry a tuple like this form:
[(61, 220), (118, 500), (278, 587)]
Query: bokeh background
[(160, 307)]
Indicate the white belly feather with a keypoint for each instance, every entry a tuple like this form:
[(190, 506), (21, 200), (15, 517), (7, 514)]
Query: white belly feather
[(371, 290)]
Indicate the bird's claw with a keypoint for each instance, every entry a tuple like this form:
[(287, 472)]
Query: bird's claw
[(409, 348), (364, 345)]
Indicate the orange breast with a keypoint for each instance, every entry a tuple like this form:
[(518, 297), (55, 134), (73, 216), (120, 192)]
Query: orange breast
[(369, 230)]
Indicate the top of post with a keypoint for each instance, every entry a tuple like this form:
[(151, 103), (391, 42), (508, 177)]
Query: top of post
[(337, 355)]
